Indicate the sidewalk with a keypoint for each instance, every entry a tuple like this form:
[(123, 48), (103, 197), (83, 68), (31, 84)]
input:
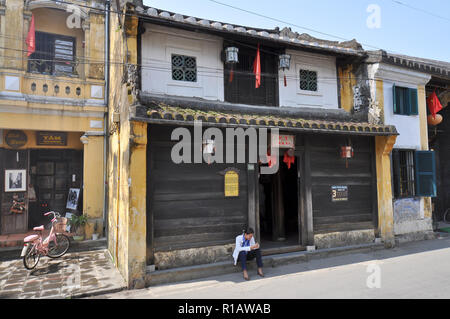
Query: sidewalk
[(75, 275)]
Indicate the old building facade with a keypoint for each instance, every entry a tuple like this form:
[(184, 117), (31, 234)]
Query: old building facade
[(173, 73), (52, 109)]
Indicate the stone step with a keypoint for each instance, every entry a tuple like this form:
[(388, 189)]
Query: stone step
[(159, 277)]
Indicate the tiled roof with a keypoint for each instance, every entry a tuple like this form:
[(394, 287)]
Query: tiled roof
[(433, 67), (163, 113), (285, 35)]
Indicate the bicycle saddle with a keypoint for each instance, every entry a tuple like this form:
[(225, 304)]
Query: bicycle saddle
[(40, 228)]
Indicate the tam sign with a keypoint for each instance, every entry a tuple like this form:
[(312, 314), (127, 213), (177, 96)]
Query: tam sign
[(51, 138)]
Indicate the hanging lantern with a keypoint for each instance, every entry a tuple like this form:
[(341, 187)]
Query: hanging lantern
[(346, 153), (284, 64), (231, 55), (285, 61), (435, 120)]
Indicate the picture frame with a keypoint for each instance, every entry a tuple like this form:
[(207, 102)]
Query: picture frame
[(72, 198), (15, 180)]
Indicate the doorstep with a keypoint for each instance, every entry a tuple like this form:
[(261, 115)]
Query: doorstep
[(166, 276)]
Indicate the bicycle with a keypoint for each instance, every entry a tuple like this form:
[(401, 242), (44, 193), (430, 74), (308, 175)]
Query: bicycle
[(54, 246)]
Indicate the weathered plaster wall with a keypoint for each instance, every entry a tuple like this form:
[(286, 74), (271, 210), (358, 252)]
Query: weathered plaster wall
[(126, 160), (194, 256), (347, 238), (158, 45), (383, 149), (326, 95), (410, 214), (355, 90)]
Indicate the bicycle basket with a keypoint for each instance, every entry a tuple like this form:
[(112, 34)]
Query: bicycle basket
[(60, 225)]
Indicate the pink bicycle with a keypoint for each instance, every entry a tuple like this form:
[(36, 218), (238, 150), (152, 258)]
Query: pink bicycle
[(54, 246)]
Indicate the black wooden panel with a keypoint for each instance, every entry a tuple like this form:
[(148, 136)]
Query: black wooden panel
[(11, 222), (187, 206), (328, 169)]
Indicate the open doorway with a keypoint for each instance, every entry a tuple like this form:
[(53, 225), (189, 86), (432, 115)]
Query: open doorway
[(278, 207)]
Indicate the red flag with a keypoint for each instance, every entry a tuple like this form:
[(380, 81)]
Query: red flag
[(257, 69), (434, 105), (31, 37)]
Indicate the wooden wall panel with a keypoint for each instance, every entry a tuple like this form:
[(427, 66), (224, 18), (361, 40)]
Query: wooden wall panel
[(328, 169), (187, 207)]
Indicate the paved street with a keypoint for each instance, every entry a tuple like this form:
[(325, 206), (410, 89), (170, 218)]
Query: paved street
[(73, 275), (413, 270)]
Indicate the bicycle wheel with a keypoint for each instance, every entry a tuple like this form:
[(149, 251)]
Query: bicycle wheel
[(31, 258), (61, 247)]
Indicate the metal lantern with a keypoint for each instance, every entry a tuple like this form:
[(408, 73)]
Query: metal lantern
[(285, 61), (231, 55)]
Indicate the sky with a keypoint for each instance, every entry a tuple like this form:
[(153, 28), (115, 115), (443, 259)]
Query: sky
[(411, 27)]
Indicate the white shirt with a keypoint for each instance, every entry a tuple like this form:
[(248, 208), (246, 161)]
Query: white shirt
[(239, 248)]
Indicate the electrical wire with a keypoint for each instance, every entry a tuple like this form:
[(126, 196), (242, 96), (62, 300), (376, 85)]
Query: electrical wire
[(420, 10)]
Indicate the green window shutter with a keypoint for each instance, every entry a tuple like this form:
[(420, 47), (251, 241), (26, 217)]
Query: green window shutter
[(414, 107), (394, 92), (425, 173)]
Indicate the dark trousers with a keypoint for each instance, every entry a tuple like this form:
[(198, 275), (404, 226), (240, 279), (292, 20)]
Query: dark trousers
[(250, 255)]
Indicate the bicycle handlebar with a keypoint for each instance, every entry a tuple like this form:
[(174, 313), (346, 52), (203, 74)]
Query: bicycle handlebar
[(55, 215)]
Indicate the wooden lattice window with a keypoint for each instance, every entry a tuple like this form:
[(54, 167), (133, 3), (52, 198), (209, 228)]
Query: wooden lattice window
[(308, 80), (184, 68), (55, 55)]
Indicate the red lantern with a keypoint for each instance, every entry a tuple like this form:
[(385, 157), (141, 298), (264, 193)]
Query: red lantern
[(435, 120), (346, 153)]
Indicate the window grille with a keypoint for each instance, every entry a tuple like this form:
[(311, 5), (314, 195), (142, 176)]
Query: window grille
[(308, 80), (184, 68)]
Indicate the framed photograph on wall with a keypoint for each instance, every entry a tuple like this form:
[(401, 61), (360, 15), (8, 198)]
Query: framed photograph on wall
[(15, 180), (72, 198)]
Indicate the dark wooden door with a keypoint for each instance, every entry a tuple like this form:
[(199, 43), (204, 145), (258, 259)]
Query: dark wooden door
[(13, 222), (54, 173)]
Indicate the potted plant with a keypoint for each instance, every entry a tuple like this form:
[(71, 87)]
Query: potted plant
[(77, 224)]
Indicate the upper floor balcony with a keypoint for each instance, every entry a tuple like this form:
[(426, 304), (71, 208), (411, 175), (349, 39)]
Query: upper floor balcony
[(66, 65)]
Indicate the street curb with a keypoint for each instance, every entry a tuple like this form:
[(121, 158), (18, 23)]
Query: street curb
[(96, 293), (161, 277)]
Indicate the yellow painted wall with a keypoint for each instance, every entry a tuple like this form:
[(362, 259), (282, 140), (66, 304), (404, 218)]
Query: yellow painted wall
[(126, 165), (43, 122), (383, 148), (93, 192), (36, 113), (347, 82)]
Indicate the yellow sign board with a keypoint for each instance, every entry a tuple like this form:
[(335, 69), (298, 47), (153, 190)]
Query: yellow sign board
[(231, 184)]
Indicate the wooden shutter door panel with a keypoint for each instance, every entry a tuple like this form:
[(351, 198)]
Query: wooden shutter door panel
[(425, 173), (413, 99)]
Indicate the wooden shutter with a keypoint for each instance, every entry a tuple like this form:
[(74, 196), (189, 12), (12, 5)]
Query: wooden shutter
[(413, 102), (394, 98), (425, 173)]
